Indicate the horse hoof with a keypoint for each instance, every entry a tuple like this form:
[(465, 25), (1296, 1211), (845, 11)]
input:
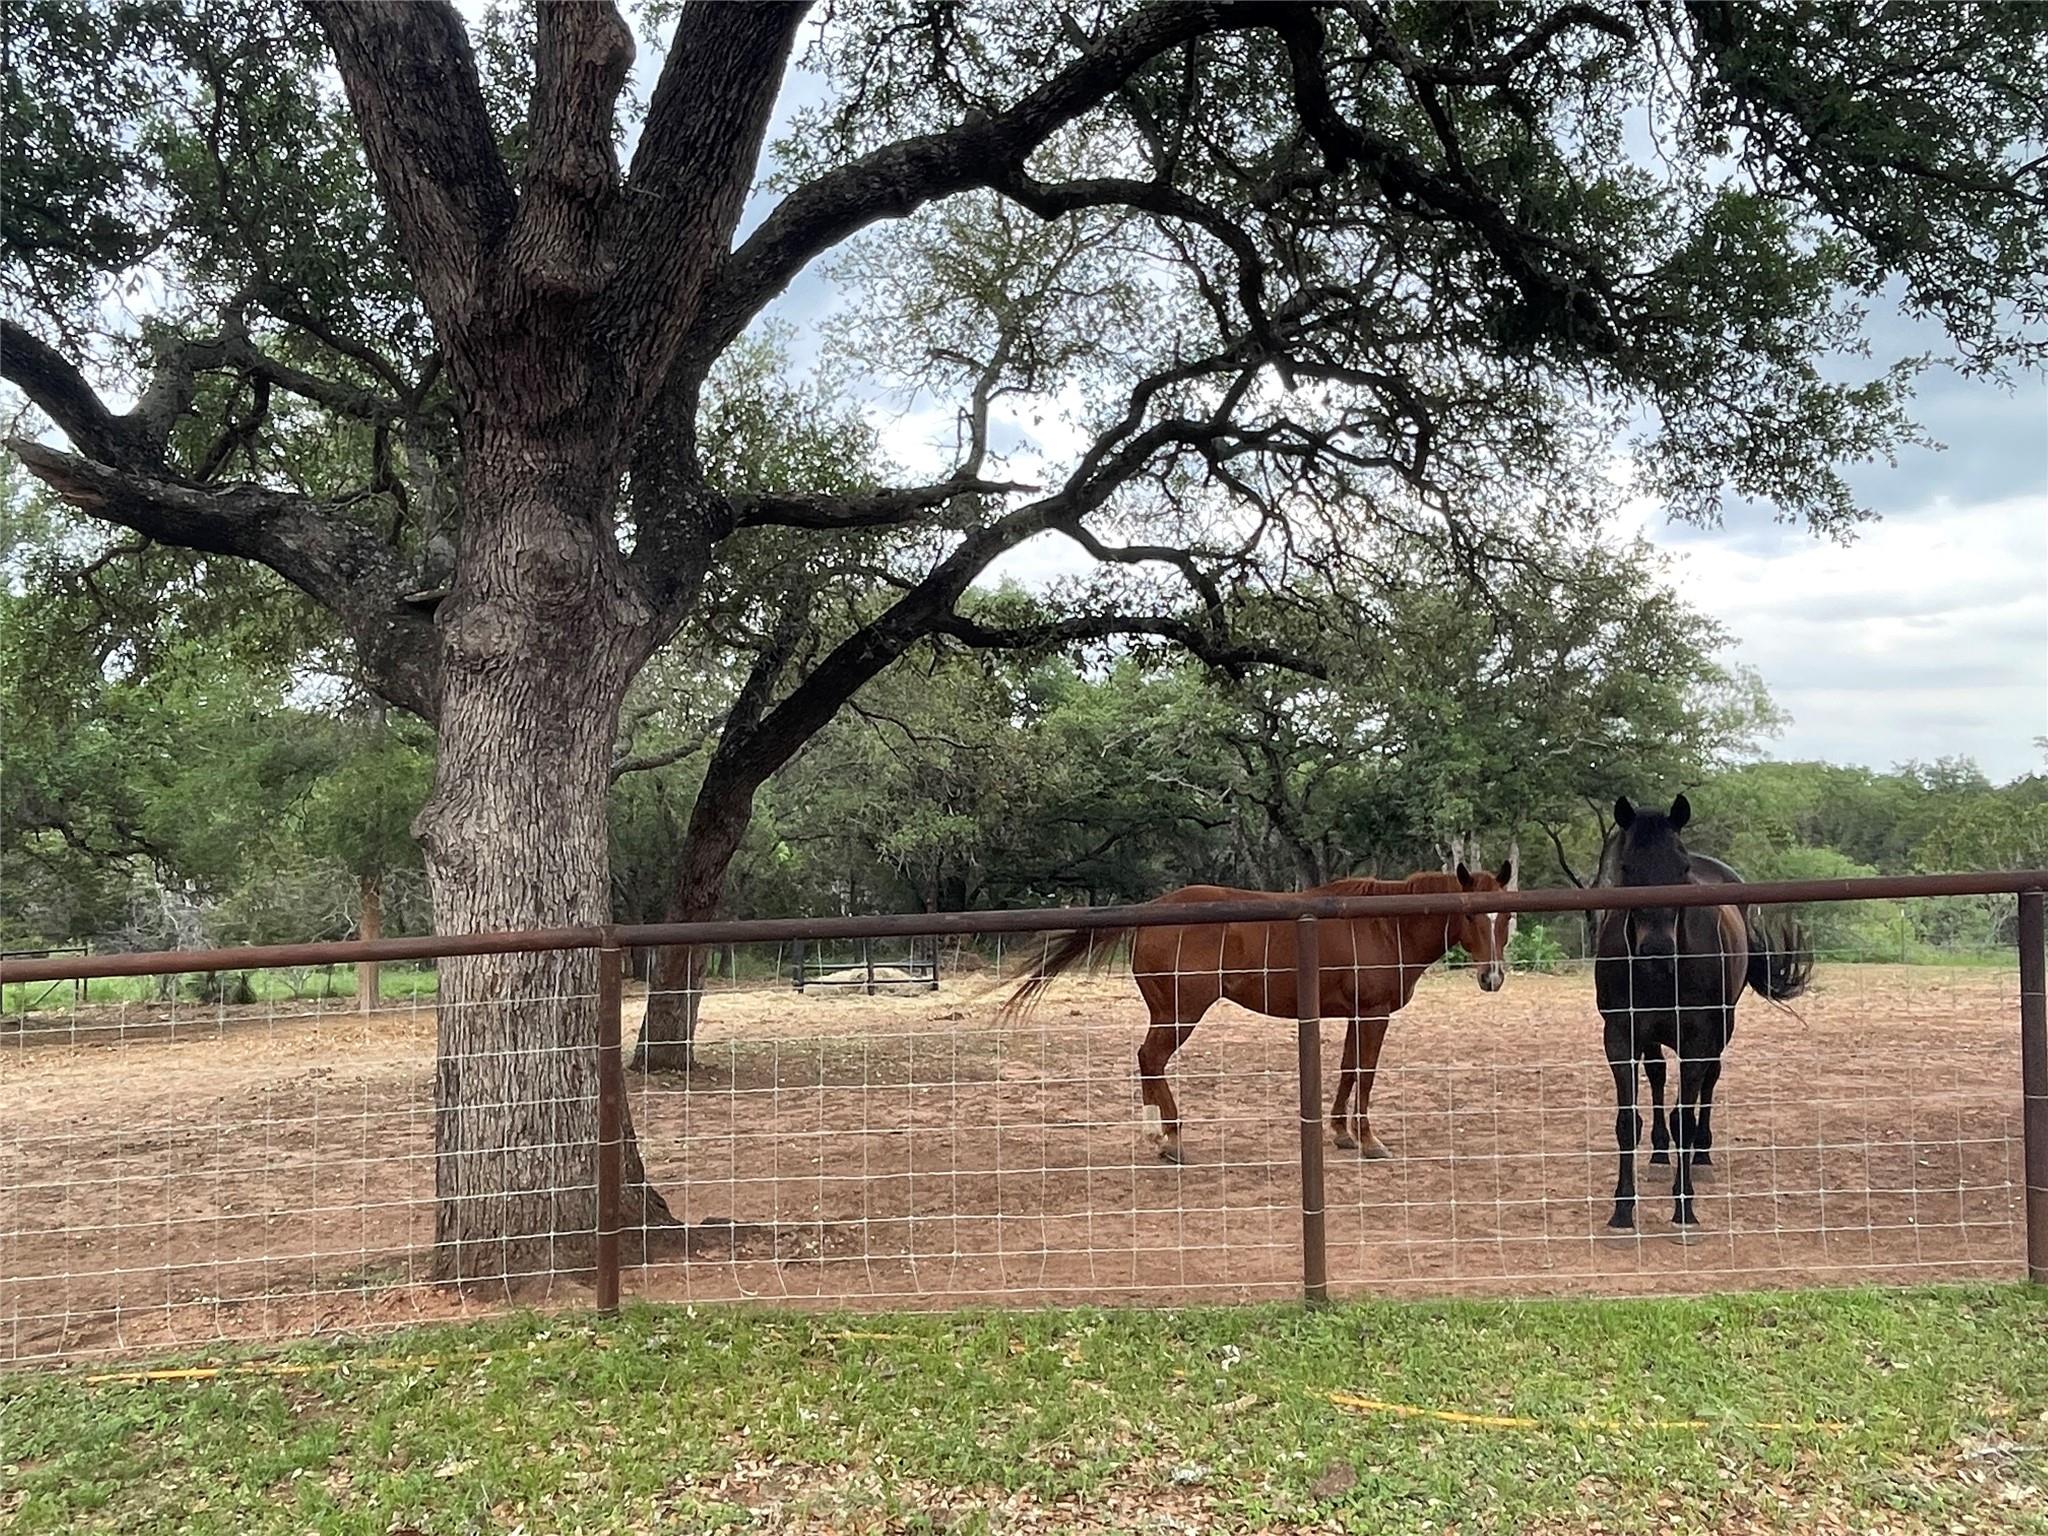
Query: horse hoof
[(1688, 1234), (1171, 1154), (1660, 1156), (1621, 1225), (1704, 1158), (1346, 1142), (1375, 1151)]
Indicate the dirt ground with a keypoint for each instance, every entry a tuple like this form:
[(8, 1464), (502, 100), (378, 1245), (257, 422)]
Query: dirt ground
[(175, 1178)]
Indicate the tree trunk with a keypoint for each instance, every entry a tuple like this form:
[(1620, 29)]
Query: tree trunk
[(539, 641), (668, 1029), (369, 926), (718, 823)]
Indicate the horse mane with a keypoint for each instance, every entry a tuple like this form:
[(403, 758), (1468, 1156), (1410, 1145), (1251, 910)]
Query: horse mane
[(1422, 882)]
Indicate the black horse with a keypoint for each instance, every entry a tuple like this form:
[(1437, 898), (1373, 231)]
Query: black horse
[(1667, 978)]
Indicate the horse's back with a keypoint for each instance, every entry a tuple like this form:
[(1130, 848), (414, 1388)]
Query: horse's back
[(1708, 871), (1183, 968), (1199, 893)]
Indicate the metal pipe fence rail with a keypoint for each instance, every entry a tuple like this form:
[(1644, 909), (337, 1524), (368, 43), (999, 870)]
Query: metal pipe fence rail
[(272, 1172)]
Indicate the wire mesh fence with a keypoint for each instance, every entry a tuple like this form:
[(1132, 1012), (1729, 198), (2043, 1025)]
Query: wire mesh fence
[(913, 1151), (177, 1171)]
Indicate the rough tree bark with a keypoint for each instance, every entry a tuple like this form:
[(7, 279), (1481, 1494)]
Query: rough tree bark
[(538, 647), (560, 307)]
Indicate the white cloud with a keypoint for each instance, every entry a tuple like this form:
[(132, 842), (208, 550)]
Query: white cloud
[(1926, 637)]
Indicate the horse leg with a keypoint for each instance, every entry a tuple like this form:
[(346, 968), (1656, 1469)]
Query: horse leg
[(1373, 1035), (1703, 1122), (1703, 1157), (1160, 1042), (1692, 1071), (1660, 1134), (1347, 1073), (1619, 1039)]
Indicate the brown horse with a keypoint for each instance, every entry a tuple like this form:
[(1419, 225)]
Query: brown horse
[(1369, 967)]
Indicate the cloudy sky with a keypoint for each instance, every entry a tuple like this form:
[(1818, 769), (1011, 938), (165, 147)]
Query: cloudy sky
[(1928, 635)]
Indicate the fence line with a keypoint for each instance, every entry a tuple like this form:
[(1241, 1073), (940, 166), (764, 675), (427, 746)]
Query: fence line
[(880, 1217), (778, 930)]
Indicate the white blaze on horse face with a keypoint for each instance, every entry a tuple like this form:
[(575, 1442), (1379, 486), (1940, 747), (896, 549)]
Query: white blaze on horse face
[(1501, 928)]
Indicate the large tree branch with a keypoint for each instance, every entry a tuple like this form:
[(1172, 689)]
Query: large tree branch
[(750, 756), (60, 391), (582, 52), (1500, 69), (1204, 643), (1182, 560), (1051, 199), (282, 306), (1563, 303), (412, 82), (677, 518), (33, 812), (313, 545), (237, 352), (690, 176), (665, 757), (877, 509), (899, 178)]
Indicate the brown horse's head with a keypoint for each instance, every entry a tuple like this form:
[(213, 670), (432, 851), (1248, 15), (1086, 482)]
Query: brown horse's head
[(1485, 935)]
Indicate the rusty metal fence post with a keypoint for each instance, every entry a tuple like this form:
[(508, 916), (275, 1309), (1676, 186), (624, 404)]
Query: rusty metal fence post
[(2034, 1082), (1308, 999), (611, 1107)]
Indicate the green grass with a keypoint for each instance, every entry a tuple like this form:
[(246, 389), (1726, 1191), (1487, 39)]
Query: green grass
[(1083, 1421), (393, 984)]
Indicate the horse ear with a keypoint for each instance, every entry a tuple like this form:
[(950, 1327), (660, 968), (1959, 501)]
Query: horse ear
[(1681, 813), (1506, 875), (1464, 877), (1624, 813)]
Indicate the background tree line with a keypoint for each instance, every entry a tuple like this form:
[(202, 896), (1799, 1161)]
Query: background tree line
[(186, 768)]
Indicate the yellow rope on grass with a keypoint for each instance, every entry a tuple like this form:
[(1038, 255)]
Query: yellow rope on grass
[(281, 1368), (1357, 1404), (274, 1368)]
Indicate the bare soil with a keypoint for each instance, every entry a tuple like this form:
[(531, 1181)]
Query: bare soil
[(176, 1176)]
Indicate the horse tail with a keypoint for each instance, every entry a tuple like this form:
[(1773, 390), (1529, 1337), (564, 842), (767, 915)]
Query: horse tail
[(1780, 964), (1074, 948)]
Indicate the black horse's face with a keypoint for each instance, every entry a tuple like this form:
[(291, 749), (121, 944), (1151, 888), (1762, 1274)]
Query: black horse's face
[(1651, 854)]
